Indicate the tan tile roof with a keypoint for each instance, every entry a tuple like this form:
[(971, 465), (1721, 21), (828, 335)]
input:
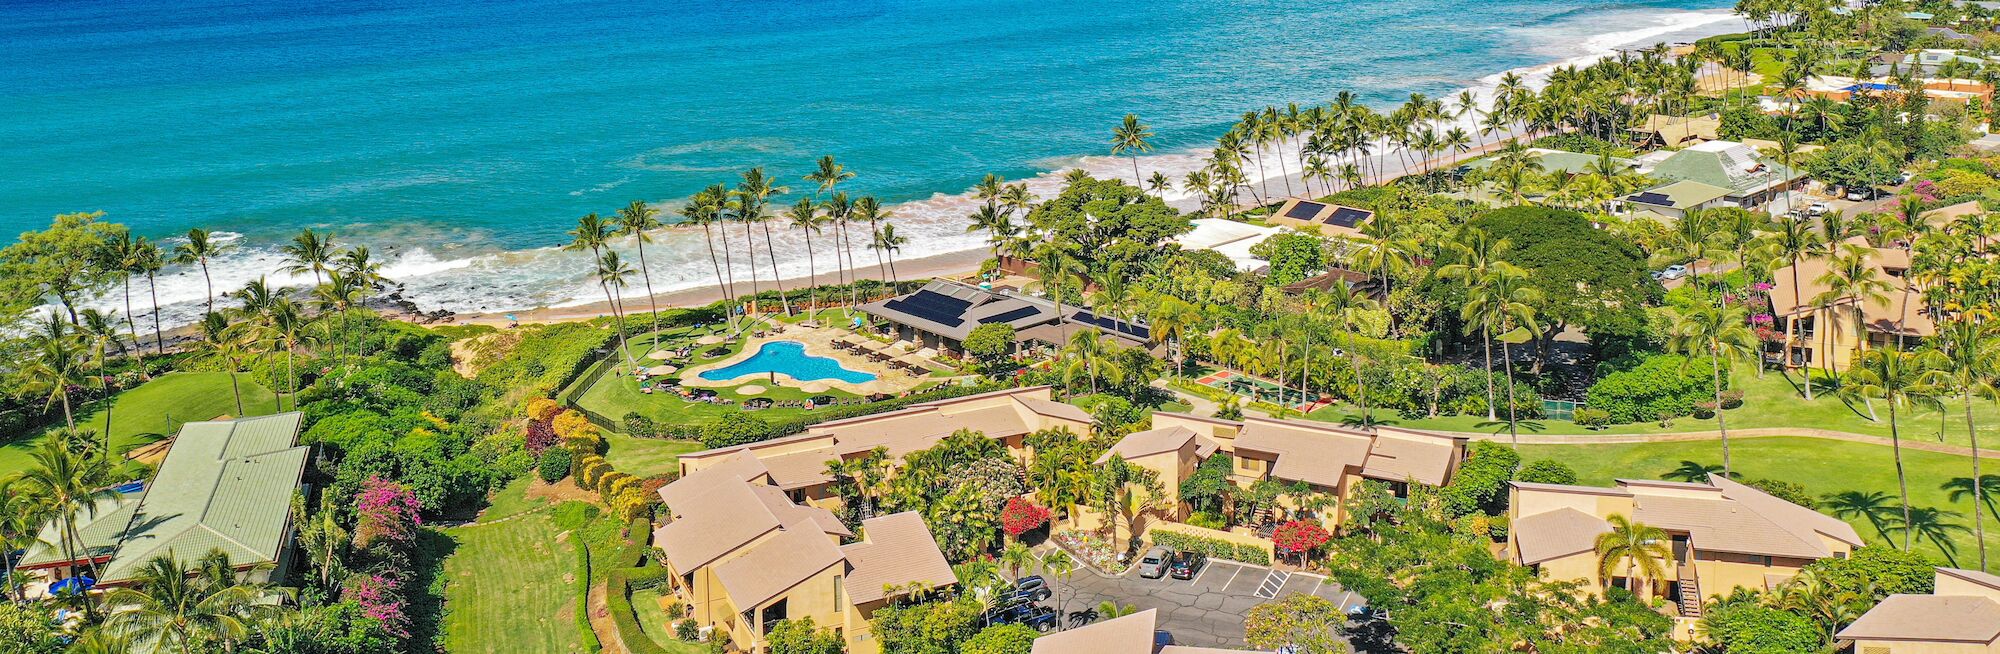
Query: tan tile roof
[(1316, 453), (1881, 316), (1131, 634), (1157, 441), (1984, 579), (712, 523), (1555, 534), (801, 469), (738, 466), (1054, 409), (1801, 521), (796, 516), (1744, 520), (1566, 488), (898, 550), (1398, 455), (775, 566), (1929, 618)]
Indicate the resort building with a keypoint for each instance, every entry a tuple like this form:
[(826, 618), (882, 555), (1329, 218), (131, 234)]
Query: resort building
[(1663, 131), (1842, 328), (744, 556), (1960, 616), (1943, 90), (1328, 458), (1724, 534), (942, 313), (1137, 633), (1323, 218), (1674, 201), (1750, 178), (797, 464), (224, 485)]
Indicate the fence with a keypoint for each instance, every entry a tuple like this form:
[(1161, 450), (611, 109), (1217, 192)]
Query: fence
[(1560, 409)]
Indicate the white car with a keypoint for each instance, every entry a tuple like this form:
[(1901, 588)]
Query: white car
[(1817, 209), (1675, 271)]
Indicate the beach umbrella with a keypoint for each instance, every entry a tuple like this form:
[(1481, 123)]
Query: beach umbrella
[(659, 355), (661, 370), (710, 339), (72, 585)]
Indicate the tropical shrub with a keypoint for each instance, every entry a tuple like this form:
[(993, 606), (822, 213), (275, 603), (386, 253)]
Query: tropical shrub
[(801, 636), (1661, 386), (1547, 471), (1212, 547), (555, 464), (1592, 418), (1757, 629), (638, 426), (1002, 639), (1481, 481), (1300, 536), (1022, 516), (736, 429), (1881, 569)]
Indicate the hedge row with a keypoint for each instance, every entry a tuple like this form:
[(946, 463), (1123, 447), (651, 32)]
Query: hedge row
[(1214, 548), (618, 600), (794, 425)]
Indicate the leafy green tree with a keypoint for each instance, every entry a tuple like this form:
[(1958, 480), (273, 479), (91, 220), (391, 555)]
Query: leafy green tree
[(1547, 471), (185, 608), (1878, 569), (1002, 639), (1585, 276), (991, 342), (60, 263), (1107, 221), (927, 628), (803, 637), (1307, 624), (1784, 490), (1751, 628), (1480, 484), (1293, 256)]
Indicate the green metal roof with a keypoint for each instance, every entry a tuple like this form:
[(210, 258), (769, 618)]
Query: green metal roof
[(225, 484), (1684, 194), (1732, 166)]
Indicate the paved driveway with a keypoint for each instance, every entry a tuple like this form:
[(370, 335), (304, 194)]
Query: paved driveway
[(1208, 610)]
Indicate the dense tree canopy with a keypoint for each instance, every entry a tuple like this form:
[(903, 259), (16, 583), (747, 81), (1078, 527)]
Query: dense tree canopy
[(1586, 276)]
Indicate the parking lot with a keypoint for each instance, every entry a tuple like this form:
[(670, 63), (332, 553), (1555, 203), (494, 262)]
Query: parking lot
[(1206, 611)]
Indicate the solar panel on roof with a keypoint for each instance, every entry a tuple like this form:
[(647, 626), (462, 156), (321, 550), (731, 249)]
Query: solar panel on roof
[(1010, 316), (935, 307), (1127, 328), (1345, 217), (1304, 210), (1650, 197)]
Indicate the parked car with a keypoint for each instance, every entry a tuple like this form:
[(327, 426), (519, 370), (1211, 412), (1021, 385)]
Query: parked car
[(1042, 618), (1675, 271), (1162, 638), (1031, 582), (1185, 565), (1154, 564), (1818, 209)]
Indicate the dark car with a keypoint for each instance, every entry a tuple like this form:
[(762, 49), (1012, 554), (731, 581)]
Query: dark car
[(1033, 583), (1185, 565), (1042, 618), (1162, 638)]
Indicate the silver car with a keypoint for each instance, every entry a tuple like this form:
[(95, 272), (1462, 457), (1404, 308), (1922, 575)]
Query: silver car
[(1153, 564)]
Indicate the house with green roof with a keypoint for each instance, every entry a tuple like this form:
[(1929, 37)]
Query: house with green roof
[(224, 485), (1674, 201), (1750, 178)]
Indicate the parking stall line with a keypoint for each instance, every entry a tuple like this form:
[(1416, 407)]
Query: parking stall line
[(1232, 577), (1196, 581)]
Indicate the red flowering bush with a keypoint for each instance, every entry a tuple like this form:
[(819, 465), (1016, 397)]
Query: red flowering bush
[(1021, 516), (380, 598), (1299, 536), (540, 436)]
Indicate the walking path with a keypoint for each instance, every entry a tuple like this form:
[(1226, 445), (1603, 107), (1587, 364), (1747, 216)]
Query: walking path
[(1689, 436)]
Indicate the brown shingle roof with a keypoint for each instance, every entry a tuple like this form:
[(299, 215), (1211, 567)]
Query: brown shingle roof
[(1738, 518), (1131, 634), (898, 551), (775, 566), (739, 466), (1398, 455), (1555, 534), (712, 523), (1156, 441), (1881, 316), (800, 469), (1929, 618), (1315, 453)]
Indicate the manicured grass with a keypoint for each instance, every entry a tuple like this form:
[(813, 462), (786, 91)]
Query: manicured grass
[(510, 583), (1821, 466), (156, 409), (643, 457), (615, 395), (1770, 402)]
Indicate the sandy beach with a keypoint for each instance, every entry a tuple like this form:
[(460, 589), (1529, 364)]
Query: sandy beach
[(950, 264)]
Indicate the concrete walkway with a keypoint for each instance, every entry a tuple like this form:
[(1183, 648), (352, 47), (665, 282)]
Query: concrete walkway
[(1687, 436)]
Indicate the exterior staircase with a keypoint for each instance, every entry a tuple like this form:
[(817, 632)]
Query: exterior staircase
[(1690, 599)]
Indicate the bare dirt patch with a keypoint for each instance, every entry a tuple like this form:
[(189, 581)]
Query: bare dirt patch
[(558, 492), (471, 355)]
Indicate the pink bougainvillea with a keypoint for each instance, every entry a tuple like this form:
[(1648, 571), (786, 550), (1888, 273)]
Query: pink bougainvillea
[(380, 598), (387, 511)]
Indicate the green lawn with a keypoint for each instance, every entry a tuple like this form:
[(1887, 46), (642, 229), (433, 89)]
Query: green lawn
[(643, 457), (510, 583), (615, 395), (156, 407), (1821, 466), (1770, 402)]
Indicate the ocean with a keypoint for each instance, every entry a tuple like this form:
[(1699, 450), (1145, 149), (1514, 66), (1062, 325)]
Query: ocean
[(460, 140)]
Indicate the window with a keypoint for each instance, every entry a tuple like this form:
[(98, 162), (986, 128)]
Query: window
[(772, 614), (838, 598), (1875, 650)]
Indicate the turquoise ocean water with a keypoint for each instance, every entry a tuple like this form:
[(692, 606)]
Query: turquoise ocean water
[(461, 139)]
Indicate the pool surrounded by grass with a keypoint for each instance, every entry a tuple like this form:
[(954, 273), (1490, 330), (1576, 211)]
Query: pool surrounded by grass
[(788, 358)]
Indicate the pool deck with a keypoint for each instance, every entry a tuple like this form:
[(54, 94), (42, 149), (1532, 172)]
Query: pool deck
[(818, 342)]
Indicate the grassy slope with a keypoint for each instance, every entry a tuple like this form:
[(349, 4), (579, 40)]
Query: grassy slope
[(157, 407), (510, 585), (1768, 402), (1821, 466), (641, 457)]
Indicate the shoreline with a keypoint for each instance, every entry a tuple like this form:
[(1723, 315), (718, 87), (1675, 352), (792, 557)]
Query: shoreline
[(949, 264)]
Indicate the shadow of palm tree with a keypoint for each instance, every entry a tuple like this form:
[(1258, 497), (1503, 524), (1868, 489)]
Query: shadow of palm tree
[(1498, 426)]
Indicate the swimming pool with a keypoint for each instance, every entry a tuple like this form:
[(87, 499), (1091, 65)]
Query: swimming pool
[(788, 358)]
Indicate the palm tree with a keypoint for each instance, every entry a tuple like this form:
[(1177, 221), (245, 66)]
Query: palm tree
[(225, 347), (199, 249), (870, 209), (1015, 558), (1966, 350), (21, 519), (101, 328), (613, 273), (1159, 184), (1499, 303), (705, 209), (887, 242), (998, 225), (336, 297), (1053, 263), (1876, 507), (308, 252), (805, 217), (635, 220), (1171, 319), (1059, 567), (1852, 279), (1641, 548), (57, 365), (1795, 240), (1088, 348), (125, 255), (1478, 255), (753, 197), (1895, 377), (1723, 335), (1132, 138), (826, 178), (148, 260), (1957, 489), (67, 484), (173, 606), (284, 327), (1345, 302)]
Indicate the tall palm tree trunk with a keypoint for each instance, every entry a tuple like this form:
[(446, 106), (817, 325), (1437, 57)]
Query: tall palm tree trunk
[(1486, 336), (132, 329), (727, 295), (1513, 430), (812, 280), (750, 242), (646, 273), (1978, 491), (153, 287), (1902, 480), (771, 253), (1715, 365)]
